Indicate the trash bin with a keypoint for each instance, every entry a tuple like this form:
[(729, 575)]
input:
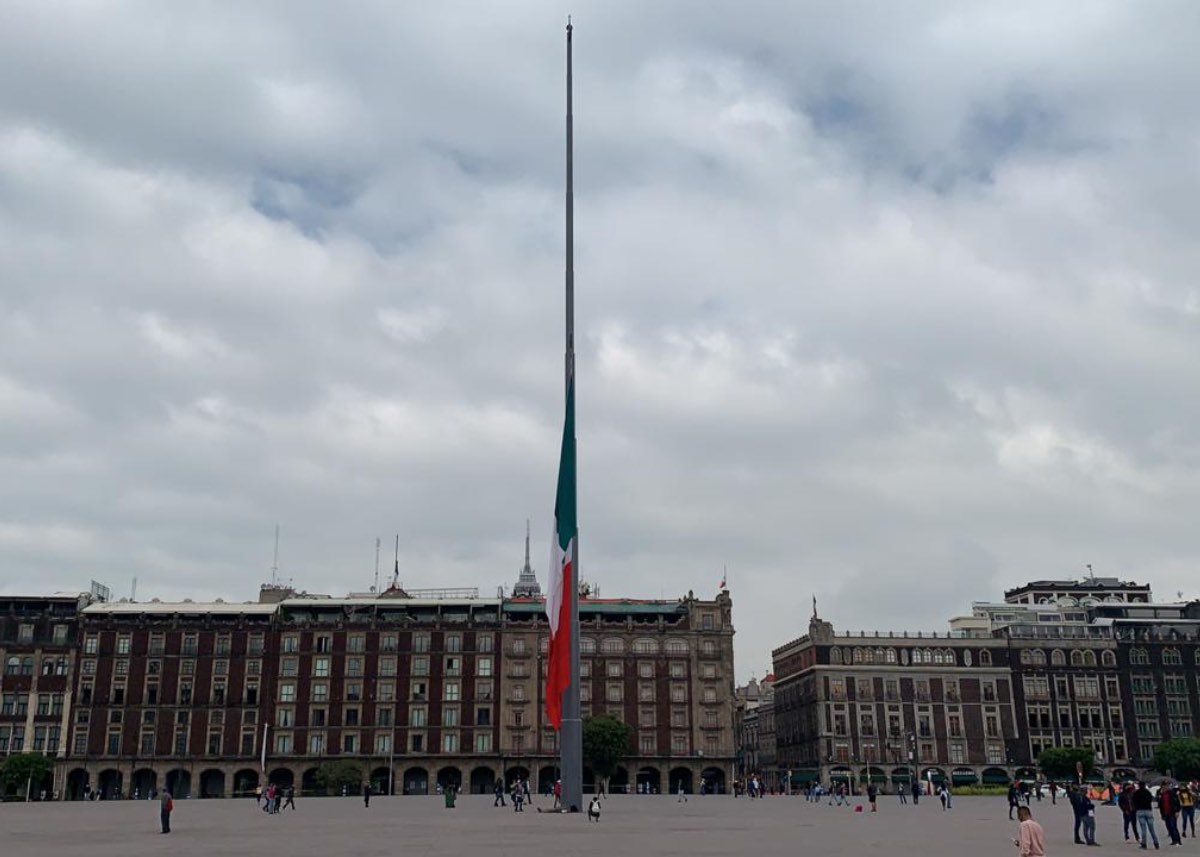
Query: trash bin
[(450, 795)]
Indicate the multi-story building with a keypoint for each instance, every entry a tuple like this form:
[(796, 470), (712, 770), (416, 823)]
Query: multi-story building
[(664, 667), (754, 731), (421, 688), (882, 706), (37, 651), (1092, 663)]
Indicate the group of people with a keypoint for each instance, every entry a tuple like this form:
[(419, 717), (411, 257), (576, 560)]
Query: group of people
[(1176, 805), (274, 795), (521, 795)]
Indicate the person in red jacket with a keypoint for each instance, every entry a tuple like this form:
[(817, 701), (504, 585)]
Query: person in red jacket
[(1168, 808)]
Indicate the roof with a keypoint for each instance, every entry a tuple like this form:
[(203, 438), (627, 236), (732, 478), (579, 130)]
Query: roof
[(598, 605), (403, 603), (134, 607)]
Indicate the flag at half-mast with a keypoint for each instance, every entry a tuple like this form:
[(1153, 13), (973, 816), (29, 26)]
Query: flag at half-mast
[(562, 554)]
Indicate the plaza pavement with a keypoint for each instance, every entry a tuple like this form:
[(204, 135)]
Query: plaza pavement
[(631, 826)]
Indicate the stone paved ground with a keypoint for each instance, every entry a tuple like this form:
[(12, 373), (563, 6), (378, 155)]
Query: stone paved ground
[(630, 827)]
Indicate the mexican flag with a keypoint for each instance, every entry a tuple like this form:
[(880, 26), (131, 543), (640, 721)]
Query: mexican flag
[(558, 598)]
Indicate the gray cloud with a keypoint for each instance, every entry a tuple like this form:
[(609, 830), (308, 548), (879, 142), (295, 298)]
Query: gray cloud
[(894, 305)]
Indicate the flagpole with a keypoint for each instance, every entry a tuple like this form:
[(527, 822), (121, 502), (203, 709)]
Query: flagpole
[(571, 734)]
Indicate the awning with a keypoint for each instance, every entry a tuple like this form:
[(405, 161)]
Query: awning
[(800, 778), (995, 778), (963, 778), (839, 775), (901, 778)]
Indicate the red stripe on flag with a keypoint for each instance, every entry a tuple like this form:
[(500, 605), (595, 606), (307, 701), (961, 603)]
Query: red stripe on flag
[(558, 671)]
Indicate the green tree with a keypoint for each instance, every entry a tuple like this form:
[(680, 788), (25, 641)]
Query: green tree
[(342, 773), (1180, 756), (605, 743), (20, 768), (1060, 763)]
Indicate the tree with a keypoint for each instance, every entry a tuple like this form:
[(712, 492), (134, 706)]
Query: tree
[(1060, 763), (1179, 756), (343, 773), (605, 743), (21, 768)]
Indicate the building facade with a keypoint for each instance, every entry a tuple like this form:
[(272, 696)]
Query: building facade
[(422, 689), (1092, 663)]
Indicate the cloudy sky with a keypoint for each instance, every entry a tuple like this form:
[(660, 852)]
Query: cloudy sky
[(896, 304)]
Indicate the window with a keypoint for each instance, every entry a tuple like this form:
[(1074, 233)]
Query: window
[(483, 690), (356, 643), (483, 742), (316, 743), (319, 691), (283, 743), (189, 644), (679, 743), (123, 644), (1171, 657), (453, 665), (254, 645), (323, 643), (383, 744), (612, 646), (450, 716), (708, 671), (678, 692), (418, 716), (645, 646), (354, 691), (388, 643), (710, 693), (647, 744), (485, 642), (354, 667), (223, 646), (645, 691), (1139, 656), (483, 666), (291, 643), (416, 743), (1058, 658), (453, 642), (1076, 658), (350, 743), (285, 717), (587, 646), (321, 667), (676, 646), (420, 642), (420, 666), (708, 648), (614, 692), (287, 692), (91, 644), (449, 742), (451, 691), (387, 666)]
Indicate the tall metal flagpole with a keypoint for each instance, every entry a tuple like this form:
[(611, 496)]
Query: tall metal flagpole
[(571, 734)]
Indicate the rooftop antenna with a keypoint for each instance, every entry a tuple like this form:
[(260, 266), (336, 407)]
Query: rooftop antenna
[(375, 588), (275, 560), (133, 589), (396, 569), (1091, 574)]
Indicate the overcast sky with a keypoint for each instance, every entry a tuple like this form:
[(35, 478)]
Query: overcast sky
[(891, 303)]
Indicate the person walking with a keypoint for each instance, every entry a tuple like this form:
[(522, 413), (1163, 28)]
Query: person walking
[(872, 793), (1128, 818), (1143, 803), (1031, 838), (165, 807), (498, 792), (1089, 818), (916, 792), (1053, 793), (525, 791), (290, 793), (902, 793), (257, 795), (366, 793), (1168, 808), (558, 793), (1187, 808), (1014, 798)]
